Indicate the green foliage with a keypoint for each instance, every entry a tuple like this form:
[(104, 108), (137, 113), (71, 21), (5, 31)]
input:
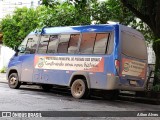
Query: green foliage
[(114, 10), (9, 37), (50, 3), (3, 70), (66, 13), (61, 15), (69, 13), (148, 12), (156, 88), (111, 10), (16, 27)]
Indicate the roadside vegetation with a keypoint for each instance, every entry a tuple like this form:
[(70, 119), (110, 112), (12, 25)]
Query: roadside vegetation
[(3, 70)]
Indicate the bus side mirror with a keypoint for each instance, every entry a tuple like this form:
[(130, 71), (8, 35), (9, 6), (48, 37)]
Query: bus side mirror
[(22, 49), (19, 49), (15, 48)]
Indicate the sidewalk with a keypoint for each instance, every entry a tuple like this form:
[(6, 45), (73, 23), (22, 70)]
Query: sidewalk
[(3, 78)]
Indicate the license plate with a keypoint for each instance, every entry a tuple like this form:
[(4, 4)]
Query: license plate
[(133, 82)]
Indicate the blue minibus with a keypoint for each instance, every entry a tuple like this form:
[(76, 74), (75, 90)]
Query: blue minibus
[(104, 57)]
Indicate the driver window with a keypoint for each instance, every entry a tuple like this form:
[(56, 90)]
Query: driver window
[(29, 45)]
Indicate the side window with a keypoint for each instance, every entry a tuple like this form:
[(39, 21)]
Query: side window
[(23, 45), (48, 44), (63, 44), (87, 43), (73, 43), (42, 48), (53, 42), (29, 44), (110, 43), (101, 43)]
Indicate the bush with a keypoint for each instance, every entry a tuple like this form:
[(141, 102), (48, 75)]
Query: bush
[(156, 88), (3, 70)]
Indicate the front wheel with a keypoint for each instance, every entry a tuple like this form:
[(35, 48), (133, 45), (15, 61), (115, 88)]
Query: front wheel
[(79, 89), (13, 81)]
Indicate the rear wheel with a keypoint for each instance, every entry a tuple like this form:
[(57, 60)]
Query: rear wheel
[(13, 81), (46, 87), (79, 89)]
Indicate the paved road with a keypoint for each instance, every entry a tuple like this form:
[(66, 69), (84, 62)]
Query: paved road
[(3, 78), (32, 98)]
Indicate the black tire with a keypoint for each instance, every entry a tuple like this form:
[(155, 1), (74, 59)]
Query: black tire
[(13, 81), (79, 89), (46, 87)]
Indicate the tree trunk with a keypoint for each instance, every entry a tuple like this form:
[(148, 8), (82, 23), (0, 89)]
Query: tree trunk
[(156, 48)]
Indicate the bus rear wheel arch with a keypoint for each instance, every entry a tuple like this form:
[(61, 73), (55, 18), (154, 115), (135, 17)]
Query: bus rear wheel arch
[(79, 89), (13, 81)]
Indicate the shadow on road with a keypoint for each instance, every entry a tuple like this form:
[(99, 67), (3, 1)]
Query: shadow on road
[(64, 93)]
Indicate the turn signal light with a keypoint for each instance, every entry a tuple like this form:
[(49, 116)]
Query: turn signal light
[(117, 65)]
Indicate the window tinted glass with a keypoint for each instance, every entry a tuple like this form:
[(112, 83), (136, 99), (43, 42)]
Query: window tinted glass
[(110, 43), (73, 43), (53, 42), (91, 43), (24, 43), (101, 43), (63, 44), (87, 43), (43, 44), (133, 45), (30, 44)]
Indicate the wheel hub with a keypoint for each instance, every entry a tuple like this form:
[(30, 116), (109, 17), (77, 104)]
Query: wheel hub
[(13, 81), (78, 89)]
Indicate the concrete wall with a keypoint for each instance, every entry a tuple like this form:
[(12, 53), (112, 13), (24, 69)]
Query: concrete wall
[(5, 54), (151, 54), (8, 6)]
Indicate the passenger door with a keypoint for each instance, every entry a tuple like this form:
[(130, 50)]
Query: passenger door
[(26, 56)]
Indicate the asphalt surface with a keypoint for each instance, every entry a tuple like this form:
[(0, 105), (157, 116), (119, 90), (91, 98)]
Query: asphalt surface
[(33, 98), (3, 78)]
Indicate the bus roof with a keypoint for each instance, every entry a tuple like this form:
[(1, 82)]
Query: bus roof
[(85, 28), (78, 29)]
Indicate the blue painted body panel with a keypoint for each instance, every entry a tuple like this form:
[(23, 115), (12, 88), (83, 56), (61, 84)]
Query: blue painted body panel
[(78, 29)]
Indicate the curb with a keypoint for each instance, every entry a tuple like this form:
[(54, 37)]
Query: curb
[(3, 82), (3, 78)]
